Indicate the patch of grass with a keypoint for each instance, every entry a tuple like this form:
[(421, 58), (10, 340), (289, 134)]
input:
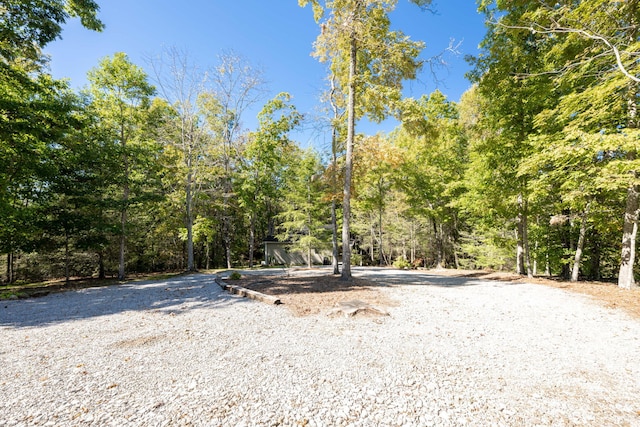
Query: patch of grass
[(12, 295)]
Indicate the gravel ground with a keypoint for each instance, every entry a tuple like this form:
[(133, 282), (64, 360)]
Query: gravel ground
[(453, 352)]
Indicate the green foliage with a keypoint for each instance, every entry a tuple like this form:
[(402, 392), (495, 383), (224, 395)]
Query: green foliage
[(26, 27), (546, 141), (303, 217), (402, 264), (487, 248), (385, 57), (356, 259), (235, 276), (12, 295)]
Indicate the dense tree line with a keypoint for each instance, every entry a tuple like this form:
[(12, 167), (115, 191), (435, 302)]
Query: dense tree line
[(533, 170)]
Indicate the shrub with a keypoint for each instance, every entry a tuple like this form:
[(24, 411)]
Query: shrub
[(401, 263), (235, 276)]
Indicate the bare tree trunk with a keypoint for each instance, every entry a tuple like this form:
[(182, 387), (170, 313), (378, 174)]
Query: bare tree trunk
[(101, 271), (125, 202), (535, 260), (626, 279), (547, 263), (334, 238), (520, 252), (252, 238), (351, 125), (67, 261), (189, 218), (455, 257), (579, 248), (334, 184), (123, 223), (10, 272), (207, 246), (412, 232), (454, 240), (525, 238), (309, 263), (439, 246), (381, 257), (372, 253)]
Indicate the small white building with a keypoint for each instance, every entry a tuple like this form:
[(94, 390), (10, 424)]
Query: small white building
[(279, 253)]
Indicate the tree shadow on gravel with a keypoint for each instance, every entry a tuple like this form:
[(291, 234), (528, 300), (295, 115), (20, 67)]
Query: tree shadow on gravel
[(311, 292), (272, 285), (391, 277), (363, 278), (170, 296)]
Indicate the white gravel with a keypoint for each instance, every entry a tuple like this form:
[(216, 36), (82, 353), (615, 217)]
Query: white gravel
[(453, 352)]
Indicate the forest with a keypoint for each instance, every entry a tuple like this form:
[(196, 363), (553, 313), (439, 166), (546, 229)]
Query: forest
[(534, 170)]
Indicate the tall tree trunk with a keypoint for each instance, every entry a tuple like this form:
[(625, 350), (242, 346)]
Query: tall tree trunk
[(351, 125), (567, 245), (252, 238), (67, 261), (309, 248), (380, 246), (226, 222), (525, 238), (456, 260), (227, 245), (626, 278), (334, 184), (101, 271), (189, 219), (520, 237), (439, 246), (535, 259), (596, 251), (226, 215), (372, 247), (125, 202), (207, 246), (123, 224), (10, 268), (547, 262), (455, 235), (334, 238), (580, 246), (412, 237)]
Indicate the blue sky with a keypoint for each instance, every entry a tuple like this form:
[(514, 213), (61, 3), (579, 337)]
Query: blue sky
[(276, 35)]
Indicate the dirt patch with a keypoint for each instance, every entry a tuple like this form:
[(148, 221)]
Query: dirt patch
[(320, 294), (306, 296)]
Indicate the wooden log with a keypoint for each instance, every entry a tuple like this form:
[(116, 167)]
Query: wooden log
[(248, 293)]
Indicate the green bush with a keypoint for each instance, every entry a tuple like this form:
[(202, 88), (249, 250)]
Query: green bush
[(356, 259), (402, 264), (235, 276), (12, 295)]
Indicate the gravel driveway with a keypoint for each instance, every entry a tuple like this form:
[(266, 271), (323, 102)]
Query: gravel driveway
[(453, 352)]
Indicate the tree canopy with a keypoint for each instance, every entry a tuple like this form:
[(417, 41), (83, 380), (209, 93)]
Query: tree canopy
[(535, 169)]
